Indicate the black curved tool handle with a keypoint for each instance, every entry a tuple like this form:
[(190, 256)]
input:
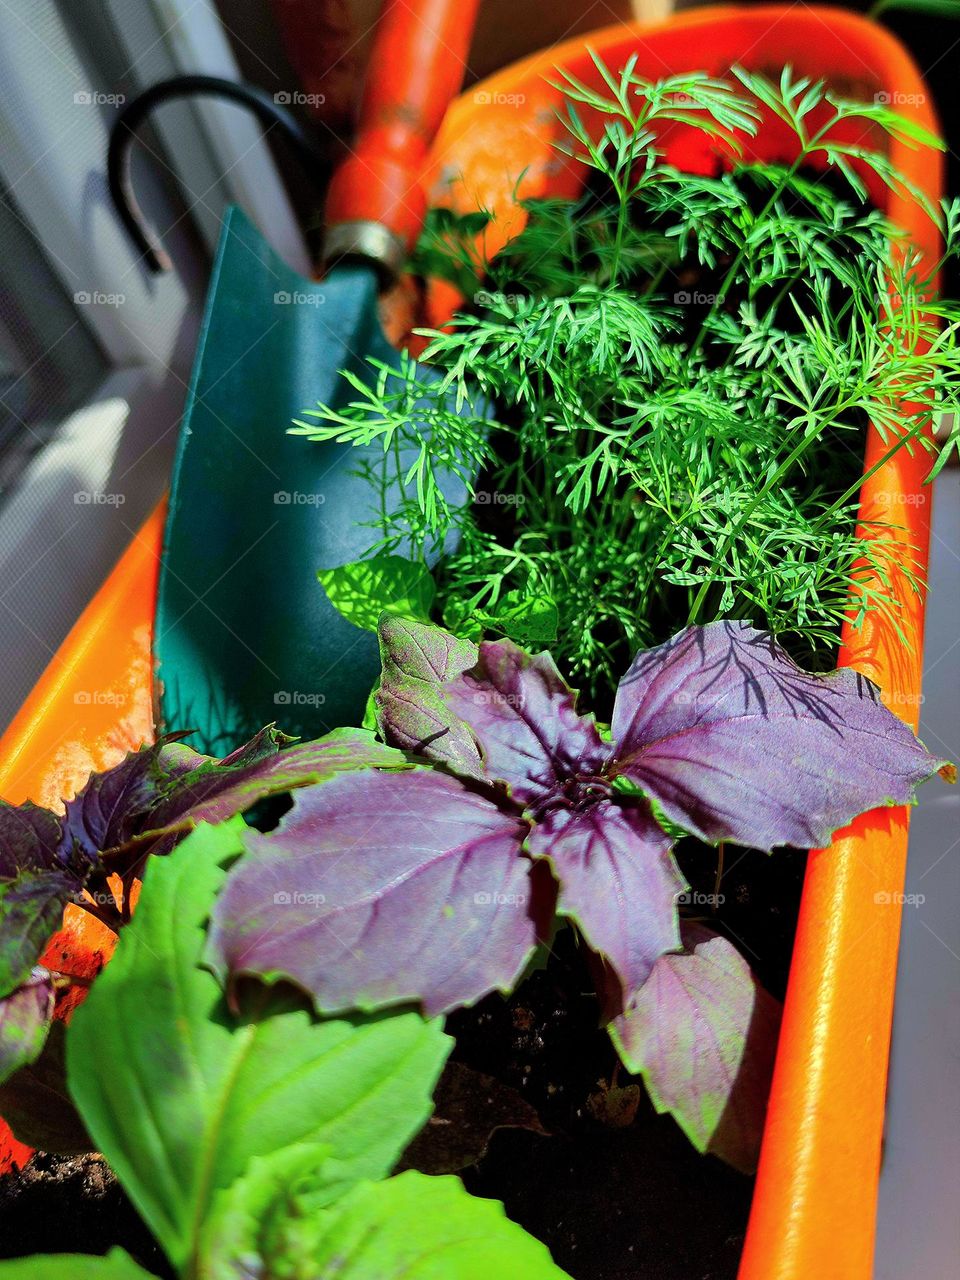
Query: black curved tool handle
[(133, 114)]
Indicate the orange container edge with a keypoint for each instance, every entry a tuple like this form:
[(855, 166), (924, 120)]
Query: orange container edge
[(814, 1207)]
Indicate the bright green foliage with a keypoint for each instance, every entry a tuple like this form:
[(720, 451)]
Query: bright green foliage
[(528, 619), (942, 8), (117, 1265), (683, 368), (181, 1095), (364, 589), (409, 1228), (256, 1216)]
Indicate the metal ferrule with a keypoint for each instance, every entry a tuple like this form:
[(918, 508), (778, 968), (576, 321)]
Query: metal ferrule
[(371, 241)]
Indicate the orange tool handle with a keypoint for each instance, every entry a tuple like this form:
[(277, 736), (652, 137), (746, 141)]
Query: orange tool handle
[(415, 71)]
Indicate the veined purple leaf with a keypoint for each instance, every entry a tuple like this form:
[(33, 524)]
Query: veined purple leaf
[(417, 661), (168, 788), (35, 884), (618, 882), (217, 790), (380, 889), (703, 1035), (524, 717), (31, 907), (155, 785), (29, 836), (25, 1016), (110, 808), (736, 742)]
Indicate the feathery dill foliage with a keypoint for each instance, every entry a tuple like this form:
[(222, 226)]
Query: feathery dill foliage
[(682, 369)]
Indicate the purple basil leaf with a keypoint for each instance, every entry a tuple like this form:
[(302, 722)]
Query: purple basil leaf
[(153, 787), (29, 836), (703, 1035), (218, 789), (736, 742), (417, 661), (111, 808), (168, 788), (618, 881), (35, 885), (262, 746), (382, 888), (524, 717), (25, 1016)]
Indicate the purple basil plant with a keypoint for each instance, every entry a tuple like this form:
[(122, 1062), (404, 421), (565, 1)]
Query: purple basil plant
[(437, 884)]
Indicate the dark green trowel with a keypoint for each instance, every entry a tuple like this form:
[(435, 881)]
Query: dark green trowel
[(244, 633)]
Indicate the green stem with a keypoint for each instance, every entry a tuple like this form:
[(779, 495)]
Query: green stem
[(719, 876)]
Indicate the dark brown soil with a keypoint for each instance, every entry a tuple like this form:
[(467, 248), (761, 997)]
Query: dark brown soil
[(637, 1204), (72, 1205)]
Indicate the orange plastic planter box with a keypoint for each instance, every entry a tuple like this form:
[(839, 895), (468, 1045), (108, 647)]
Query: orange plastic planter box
[(815, 1201)]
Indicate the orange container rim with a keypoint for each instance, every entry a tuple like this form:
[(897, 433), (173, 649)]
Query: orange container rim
[(814, 1205)]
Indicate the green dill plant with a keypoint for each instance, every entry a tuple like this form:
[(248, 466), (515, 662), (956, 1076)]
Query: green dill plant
[(683, 368)]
